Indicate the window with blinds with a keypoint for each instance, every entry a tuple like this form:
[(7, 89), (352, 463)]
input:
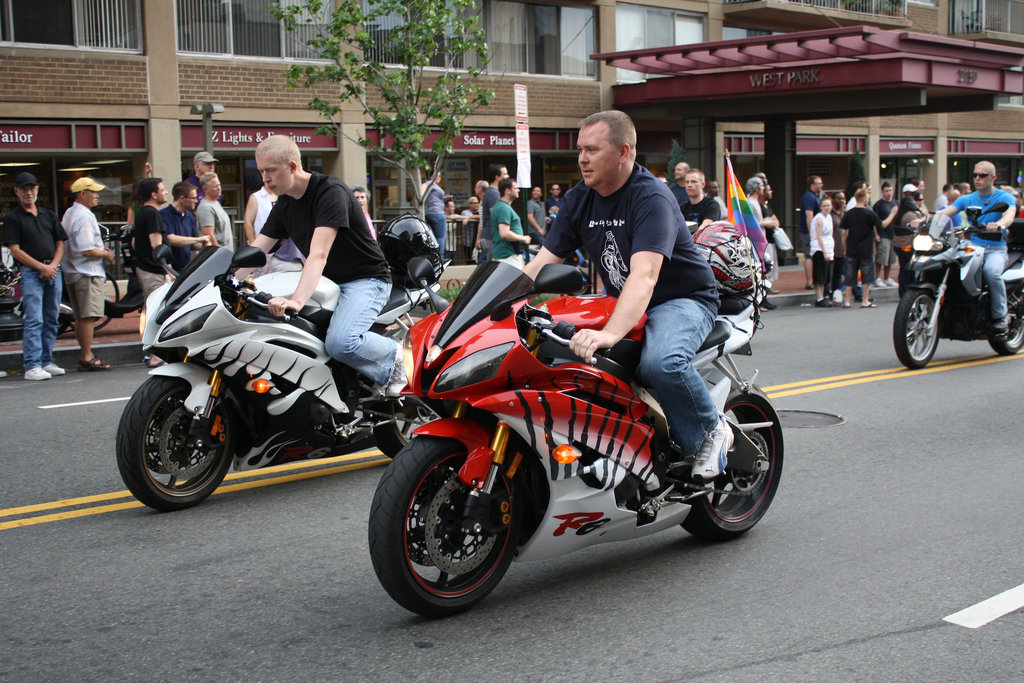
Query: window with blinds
[(99, 24), (242, 27)]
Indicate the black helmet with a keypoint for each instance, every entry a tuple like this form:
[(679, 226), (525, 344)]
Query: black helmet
[(405, 237)]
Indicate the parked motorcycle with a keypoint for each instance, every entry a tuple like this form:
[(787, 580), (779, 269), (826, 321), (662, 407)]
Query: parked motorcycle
[(243, 386), (947, 297), (540, 453)]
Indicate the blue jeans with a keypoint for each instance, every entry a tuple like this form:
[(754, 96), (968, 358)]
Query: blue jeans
[(674, 331), (992, 275), (348, 337), (439, 226), (40, 302)]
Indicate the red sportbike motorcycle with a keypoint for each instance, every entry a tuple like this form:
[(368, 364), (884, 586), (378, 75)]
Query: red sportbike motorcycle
[(541, 453)]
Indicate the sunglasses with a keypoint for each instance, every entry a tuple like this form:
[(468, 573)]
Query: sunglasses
[(981, 175)]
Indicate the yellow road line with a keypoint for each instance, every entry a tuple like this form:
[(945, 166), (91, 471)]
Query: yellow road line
[(894, 373), (868, 373), (267, 473)]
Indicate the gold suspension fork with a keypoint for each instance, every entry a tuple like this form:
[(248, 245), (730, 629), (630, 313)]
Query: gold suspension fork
[(479, 499), (217, 427)]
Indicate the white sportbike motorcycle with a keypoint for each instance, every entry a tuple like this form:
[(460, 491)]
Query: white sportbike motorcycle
[(242, 386)]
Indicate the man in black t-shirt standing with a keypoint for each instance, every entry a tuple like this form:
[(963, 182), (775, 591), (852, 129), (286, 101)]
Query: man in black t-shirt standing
[(700, 208), (36, 240), (322, 217), (629, 221)]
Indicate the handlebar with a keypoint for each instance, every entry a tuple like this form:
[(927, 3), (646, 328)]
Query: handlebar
[(262, 300), (561, 333)]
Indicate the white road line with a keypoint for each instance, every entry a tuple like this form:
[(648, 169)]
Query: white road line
[(989, 610), (84, 403)]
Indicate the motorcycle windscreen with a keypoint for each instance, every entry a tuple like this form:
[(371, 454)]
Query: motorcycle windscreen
[(491, 285), (200, 271), (940, 224)]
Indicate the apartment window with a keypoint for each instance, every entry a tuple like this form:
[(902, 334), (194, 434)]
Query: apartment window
[(541, 39), (100, 24), (642, 27), (384, 45), (242, 27)]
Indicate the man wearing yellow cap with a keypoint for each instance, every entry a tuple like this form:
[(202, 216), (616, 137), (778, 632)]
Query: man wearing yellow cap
[(83, 267)]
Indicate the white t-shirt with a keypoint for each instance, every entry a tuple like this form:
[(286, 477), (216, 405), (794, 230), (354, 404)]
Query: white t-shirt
[(828, 244)]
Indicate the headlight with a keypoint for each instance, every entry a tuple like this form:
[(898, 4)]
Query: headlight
[(188, 323), (926, 243), (478, 367)]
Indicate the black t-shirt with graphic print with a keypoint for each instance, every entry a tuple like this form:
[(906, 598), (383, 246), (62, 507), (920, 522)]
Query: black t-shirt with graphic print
[(642, 215), (328, 202)]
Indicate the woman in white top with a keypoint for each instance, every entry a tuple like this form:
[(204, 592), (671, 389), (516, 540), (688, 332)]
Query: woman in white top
[(822, 252), (287, 258)]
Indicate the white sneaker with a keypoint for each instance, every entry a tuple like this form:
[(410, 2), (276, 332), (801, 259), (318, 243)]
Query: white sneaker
[(713, 454), (54, 369), (398, 380), (891, 283), (37, 374)]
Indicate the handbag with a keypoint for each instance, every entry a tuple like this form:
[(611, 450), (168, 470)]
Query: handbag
[(782, 242)]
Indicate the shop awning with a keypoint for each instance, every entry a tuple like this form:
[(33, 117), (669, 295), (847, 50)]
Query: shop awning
[(842, 72)]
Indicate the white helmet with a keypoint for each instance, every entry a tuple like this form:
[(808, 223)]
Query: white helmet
[(732, 257)]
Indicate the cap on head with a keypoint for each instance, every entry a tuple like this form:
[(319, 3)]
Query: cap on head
[(86, 183), (204, 157), (909, 187), (25, 178)]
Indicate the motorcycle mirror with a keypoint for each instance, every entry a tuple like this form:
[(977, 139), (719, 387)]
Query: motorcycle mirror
[(249, 257), (162, 254), (420, 269), (558, 278)]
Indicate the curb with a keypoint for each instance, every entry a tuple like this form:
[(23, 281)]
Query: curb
[(120, 353)]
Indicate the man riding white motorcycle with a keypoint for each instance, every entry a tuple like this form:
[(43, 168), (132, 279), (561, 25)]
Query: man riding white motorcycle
[(986, 195), (629, 224), (321, 216)]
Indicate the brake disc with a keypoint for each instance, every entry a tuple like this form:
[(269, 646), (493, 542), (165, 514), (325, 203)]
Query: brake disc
[(452, 550), (176, 456)]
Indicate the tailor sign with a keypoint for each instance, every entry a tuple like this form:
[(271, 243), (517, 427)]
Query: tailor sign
[(67, 137)]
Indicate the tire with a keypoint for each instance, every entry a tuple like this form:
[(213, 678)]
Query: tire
[(418, 501), (151, 453), (914, 342), (1014, 339), (101, 323), (394, 436), (746, 497)]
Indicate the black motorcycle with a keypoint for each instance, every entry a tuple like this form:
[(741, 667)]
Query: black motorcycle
[(947, 297)]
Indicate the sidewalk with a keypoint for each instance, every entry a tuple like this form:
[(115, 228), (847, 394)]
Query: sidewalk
[(119, 342)]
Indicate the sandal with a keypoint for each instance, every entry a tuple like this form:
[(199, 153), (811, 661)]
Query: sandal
[(869, 305), (94, 364), (846, 305)]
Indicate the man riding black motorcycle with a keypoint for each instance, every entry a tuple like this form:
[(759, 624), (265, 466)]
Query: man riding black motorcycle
[(986, 195)]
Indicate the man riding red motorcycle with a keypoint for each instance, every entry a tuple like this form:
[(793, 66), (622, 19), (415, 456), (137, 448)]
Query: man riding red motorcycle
[(630, 225)]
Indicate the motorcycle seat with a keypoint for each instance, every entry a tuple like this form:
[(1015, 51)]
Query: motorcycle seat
[(732, 305)]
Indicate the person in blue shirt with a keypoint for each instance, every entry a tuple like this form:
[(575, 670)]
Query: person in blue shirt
[(630, 224), (986, 195), (180, 221)]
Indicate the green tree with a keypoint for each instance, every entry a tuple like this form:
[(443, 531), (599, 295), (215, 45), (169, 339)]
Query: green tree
[(855, 174), (378, 53), (677, 154)]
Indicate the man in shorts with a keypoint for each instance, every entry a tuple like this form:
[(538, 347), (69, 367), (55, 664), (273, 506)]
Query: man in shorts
[(83, 268)]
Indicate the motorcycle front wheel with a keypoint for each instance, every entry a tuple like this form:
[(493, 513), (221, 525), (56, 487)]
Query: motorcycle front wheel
[(913, 338), (421, 555), (154, 458), (740, 500)]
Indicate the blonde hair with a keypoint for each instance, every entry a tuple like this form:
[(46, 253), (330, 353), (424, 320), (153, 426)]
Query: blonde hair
[(861, 194), (621, 130), (207, 179), (280, 148)]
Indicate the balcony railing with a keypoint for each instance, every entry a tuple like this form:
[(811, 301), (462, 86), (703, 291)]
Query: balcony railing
[(978, 16), (878, 8)]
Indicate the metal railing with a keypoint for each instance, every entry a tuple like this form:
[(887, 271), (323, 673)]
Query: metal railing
[(878, 8), (977, 16)]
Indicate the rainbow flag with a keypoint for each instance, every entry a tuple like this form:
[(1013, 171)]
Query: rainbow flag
[(739, 213)]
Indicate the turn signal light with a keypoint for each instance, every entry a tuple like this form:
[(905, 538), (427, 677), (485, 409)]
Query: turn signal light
[(565, 454), (261, 386)]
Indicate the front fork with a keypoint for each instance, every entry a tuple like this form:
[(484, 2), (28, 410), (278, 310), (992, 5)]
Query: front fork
[(940, 294), (207, 430), (485, 510)]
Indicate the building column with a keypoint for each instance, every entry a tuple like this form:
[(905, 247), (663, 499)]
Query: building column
[(164, 102), (699, 139)]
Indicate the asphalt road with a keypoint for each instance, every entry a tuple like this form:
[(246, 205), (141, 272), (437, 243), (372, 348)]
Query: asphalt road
[(906, 513)]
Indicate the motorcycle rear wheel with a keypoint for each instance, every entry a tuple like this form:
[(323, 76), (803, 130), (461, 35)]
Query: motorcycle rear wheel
[(746, 497), (392, 437), (421, 557), (1010, 344), (152, 456), (914, 341)]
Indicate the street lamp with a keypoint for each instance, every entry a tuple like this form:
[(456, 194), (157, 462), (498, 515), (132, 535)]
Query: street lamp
[(207, 111)]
